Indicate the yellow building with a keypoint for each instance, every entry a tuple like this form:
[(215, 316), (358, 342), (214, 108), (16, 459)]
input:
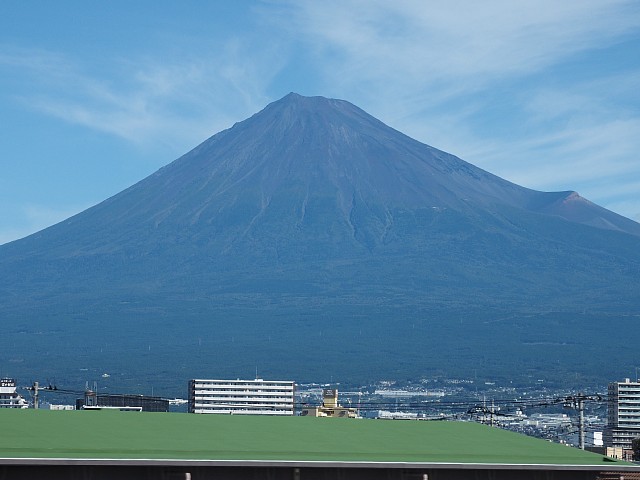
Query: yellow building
[(329, 407)]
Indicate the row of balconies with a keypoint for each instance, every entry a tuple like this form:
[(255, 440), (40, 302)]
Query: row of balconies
[(287, 386), (248, 406), (245, 412), (241, 401), (249, 398), (245, 406), (248, 392), (206, 393), (240, 393), (266, 398), (229, 390)]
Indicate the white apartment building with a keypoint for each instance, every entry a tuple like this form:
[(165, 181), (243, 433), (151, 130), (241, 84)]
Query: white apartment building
[(623, 419), (242, 397)]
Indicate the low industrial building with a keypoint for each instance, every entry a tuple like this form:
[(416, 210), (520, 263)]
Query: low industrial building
[(142, 403), (242, 397)]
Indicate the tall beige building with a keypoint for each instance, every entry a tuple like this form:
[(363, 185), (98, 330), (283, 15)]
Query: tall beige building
[(330, 407)]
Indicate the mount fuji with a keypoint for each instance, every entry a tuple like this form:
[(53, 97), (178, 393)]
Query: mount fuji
[(313, 241)]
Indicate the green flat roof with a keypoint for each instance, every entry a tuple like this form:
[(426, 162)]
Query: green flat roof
[(43, 434)]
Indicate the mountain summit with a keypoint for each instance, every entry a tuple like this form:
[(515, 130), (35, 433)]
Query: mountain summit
[(298, 163), (314, 216)]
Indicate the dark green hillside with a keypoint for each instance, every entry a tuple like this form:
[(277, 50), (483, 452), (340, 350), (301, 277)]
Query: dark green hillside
[(42, 434)]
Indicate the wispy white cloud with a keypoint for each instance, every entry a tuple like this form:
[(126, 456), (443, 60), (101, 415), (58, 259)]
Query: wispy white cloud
[(180, 100), (583, 134), (630, 205), (160, 100), (411, 63), (574, 153), (414, 43), (483, 80)]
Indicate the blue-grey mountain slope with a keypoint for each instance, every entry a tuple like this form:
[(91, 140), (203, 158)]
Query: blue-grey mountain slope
[(312, 238)]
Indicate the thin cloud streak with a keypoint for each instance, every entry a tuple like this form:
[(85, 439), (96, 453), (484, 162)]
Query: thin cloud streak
[(472, 43), (186, 101), (439, 73)]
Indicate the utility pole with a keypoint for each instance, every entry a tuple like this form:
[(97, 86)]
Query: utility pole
[(35, 388), (580, 400), (577, 402), (493, 407), (491, 412)]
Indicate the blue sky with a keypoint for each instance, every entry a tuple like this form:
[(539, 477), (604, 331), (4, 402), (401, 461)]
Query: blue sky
[(95, 96)]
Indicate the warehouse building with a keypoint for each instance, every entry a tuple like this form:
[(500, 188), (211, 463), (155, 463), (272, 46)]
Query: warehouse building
[(142, 403), (242, 397)]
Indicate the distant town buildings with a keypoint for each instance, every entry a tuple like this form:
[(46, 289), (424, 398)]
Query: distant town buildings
[(242, 397), (623, 419), (9, 397), (330, 407), (388, 415)]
